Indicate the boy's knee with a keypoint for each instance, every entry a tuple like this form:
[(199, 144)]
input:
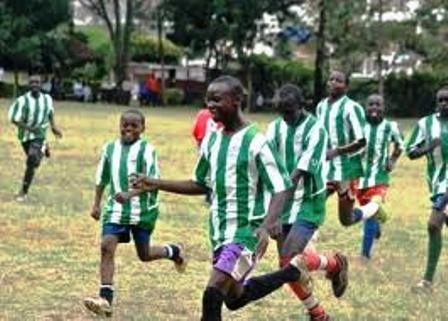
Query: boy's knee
[(211, 295), (107, 249), (434, 227), (33, 160)]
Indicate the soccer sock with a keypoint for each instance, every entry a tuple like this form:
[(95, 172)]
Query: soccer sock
[(212, 301), (434, 249), (107, 292), (172, 252), (315, 261), (371, 227), (365, 212), (260, 286), (28, 178)]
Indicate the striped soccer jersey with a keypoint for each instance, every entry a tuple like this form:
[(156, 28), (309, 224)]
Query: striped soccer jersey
[(34, 112), (117, 162), (302, 146), (237, 167), (428, 128), (344, 122), (376, 154)]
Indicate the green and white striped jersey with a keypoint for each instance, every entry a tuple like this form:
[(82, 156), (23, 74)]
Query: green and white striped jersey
[(428, 128), (376, 154), (237, 167), (34, 112), (344, 122), (302, 146), (117, 162)]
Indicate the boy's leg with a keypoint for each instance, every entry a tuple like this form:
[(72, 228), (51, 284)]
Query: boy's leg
[(33, 150), (435, 225), (147, 252), (371, 229)]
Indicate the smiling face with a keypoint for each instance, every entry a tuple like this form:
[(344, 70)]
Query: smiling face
[(221, 102), (375, 109), (288, 103), (442, 102), (132, 126), (337, 83)]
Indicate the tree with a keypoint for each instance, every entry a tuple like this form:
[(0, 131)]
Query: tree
[(22, 30), (118, 16)]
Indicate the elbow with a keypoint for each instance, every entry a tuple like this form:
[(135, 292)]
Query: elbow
[(362, 142)]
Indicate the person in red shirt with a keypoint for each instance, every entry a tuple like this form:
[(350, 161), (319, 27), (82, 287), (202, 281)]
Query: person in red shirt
[(203, 124)]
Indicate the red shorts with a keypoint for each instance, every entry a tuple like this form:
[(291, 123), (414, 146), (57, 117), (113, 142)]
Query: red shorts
[(365, 195)]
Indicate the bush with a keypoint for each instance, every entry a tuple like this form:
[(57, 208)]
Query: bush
[(174, 96)]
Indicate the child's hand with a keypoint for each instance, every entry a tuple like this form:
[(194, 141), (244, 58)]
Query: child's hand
[(141, 182), (95, 212), (263, 241), (122, 197)]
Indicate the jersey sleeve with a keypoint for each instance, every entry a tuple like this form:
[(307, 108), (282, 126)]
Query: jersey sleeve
[(417, 138), (396, 135), (201, 172), (16, 111), (357, 121), (314, 152), (272, 171), (103, 169), (271, 134), (50, 105)]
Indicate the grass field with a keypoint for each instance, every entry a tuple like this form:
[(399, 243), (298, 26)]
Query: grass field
[(49, 246)]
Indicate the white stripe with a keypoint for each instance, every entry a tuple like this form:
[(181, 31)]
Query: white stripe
[(115, 173), (213, 168), (337, 163)]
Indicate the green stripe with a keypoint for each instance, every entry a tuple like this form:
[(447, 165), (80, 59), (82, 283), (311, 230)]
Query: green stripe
[(109, 152), (153, 172), (123, 177), (314, 182), (25, 114), (382, 176), (140, 168), (221, 193), (290, 155), (430, 156), (332, 168), (371, 150), (242, 180), (340, 132)]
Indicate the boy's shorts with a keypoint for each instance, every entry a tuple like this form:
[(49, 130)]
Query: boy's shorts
[(235, 260), (343, 187), (123, 232), (365, 195)]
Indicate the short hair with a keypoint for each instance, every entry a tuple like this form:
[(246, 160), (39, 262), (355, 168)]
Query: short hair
[(346, 75), (134, 112), (234, 84), (289, 95)]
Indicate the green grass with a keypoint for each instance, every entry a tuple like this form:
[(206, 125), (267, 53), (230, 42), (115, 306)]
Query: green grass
[(49, 246)]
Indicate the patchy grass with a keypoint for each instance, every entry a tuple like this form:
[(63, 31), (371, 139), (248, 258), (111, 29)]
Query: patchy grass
[(49, 246)]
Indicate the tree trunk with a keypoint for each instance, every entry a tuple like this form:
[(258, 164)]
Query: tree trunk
[(250, 105), (379, 56), (161, 55), (320, 62)]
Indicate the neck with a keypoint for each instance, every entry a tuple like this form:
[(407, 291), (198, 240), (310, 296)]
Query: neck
[(35, 94), (235, 125), (335, 97)]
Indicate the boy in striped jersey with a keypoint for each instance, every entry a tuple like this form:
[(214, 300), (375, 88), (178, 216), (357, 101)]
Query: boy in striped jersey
[(378, 163), (301, 142), (235, 162), (127, 211), (344, 121), (32, 113), (429, 138)]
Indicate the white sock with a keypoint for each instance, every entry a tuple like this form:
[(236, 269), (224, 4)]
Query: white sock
[(310, 302), (323, 262)]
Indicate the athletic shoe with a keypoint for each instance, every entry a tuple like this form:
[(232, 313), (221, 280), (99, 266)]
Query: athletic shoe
[(99, 306), (305, 279), (323, 317), (424, 286), (21, 198), (339, 279), (180, 263)]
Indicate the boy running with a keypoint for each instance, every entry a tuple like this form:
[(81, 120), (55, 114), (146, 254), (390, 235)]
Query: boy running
[(301, 142), (235, 162), (32, 113), (127, 212), (378, 162), (344, 121), (429, 138)]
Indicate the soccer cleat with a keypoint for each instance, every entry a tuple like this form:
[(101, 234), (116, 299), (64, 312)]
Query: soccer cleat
[(424, 286), (339, 279), (100, 306), (305, 279), (180, 264), (322, 317)]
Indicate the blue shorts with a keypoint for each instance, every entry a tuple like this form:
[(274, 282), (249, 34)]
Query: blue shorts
[(123, 232), (439, 202)]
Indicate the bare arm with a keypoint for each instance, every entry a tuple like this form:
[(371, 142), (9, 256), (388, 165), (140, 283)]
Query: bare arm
[(423, 150), (96, 207), (187, 187), (56, 131), (396, 153), (346, 149)]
